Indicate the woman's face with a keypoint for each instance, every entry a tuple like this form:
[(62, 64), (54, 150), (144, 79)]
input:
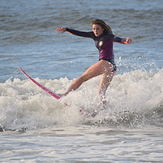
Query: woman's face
[(97, 29)]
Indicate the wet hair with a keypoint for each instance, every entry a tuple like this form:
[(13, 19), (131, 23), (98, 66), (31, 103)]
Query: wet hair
[(103, 25)]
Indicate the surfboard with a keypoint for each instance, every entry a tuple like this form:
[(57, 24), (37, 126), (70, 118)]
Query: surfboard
[(52, 93), (41, 86)]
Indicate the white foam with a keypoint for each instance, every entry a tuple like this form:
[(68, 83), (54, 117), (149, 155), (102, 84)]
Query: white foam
[(23, 104)]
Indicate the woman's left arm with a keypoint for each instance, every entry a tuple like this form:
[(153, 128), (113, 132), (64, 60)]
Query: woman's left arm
[(122, 40)]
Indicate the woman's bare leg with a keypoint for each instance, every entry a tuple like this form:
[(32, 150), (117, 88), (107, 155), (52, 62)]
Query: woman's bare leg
[(98, 68), (105, 82)]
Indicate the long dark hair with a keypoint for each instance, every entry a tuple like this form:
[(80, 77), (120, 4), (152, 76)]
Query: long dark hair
[(103, 25)]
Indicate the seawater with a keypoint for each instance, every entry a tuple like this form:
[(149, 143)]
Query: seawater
[(35, 127)]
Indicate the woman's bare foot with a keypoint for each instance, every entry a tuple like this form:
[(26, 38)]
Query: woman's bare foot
[(62, 95)]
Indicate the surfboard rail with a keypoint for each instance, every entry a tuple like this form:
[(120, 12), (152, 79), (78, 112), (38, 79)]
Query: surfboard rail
[(41, 86)]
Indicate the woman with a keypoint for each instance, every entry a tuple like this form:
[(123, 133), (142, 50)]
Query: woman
[(102, 35)]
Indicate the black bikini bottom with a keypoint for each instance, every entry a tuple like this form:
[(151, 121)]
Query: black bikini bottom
[(112, 62)]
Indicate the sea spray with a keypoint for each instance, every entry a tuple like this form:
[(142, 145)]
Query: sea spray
[(131, 98)]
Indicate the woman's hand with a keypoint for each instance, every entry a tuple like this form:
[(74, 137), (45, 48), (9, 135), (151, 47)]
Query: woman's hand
[(61, 29), (128, 40)]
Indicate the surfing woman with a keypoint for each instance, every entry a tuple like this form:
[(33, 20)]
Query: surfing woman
[(102, 35)]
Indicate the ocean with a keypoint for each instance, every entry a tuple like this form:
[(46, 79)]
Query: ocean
[(35, 127)]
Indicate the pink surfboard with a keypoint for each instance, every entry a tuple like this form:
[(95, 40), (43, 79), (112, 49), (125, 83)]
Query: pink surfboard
[(42, 87), (50, 92)]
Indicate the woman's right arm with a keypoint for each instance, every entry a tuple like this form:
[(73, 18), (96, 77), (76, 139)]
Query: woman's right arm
[(75, 32), (61, 29)]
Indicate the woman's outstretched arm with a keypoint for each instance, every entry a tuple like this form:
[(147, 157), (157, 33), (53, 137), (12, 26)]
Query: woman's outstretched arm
[(61, 29)]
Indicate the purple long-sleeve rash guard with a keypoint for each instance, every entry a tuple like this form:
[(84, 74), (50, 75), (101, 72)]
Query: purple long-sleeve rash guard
[(104, 42)]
